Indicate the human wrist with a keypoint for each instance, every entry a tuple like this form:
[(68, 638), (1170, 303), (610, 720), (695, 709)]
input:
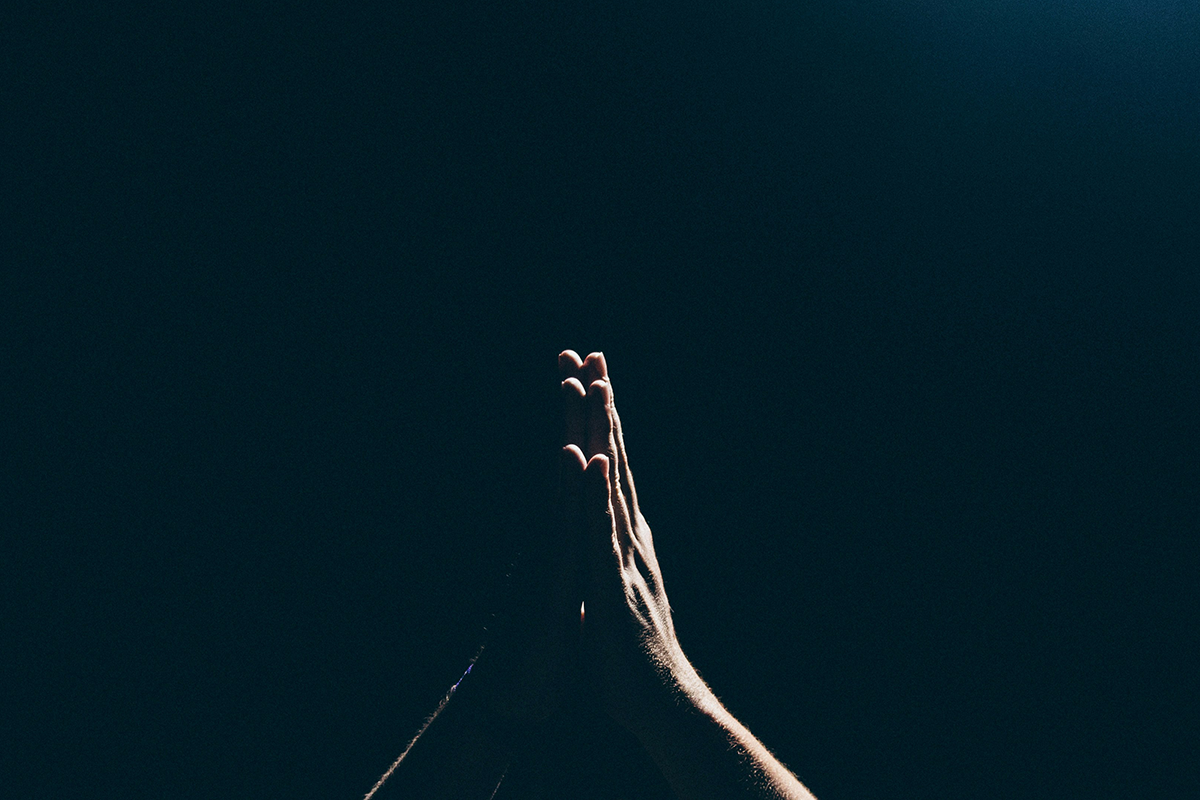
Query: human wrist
[(678, 693), (688, 737)]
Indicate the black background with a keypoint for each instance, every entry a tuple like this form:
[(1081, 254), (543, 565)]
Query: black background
[(899, 301)]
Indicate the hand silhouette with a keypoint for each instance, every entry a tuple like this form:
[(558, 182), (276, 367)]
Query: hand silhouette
[(591, 615)]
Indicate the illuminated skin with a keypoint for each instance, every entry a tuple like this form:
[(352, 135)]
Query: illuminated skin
[(618, 622), (646, 683)]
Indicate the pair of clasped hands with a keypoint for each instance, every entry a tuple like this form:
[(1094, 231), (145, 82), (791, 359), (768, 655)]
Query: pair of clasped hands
[(591, 619), (604, 602)]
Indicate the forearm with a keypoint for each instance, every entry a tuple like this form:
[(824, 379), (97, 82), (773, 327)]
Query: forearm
[(463, 750), (706, 754)]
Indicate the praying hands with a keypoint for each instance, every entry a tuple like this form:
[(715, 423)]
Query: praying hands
[(600, 616)]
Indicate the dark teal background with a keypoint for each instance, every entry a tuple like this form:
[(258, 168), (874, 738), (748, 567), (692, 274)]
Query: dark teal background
[(900, 304)]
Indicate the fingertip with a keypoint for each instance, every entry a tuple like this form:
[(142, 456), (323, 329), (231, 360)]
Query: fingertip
[(573, 386), (569, 362), (572, 456), (598, 387), (597, 464), (596, 362)]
